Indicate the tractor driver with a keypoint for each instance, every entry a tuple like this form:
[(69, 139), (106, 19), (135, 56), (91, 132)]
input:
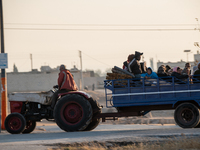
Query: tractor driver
[(66, 83)]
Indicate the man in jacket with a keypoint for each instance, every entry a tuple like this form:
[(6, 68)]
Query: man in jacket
[(134, 66), (66, 83)]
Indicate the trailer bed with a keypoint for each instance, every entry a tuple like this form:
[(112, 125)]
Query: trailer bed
[(150, 92)]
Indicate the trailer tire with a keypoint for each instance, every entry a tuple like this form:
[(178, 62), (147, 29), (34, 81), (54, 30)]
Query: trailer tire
[(15, 123), (30, 126), (73, 113), (187, 115), (96, 111)]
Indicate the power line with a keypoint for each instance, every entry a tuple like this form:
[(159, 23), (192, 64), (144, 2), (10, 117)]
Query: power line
[(96, 59), (103, 24), (103, 29)]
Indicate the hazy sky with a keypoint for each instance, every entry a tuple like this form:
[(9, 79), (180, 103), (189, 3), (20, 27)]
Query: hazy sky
[(41, 27)]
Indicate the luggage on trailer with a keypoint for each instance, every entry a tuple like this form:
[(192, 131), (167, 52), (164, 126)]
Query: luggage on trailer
[(119, 73)]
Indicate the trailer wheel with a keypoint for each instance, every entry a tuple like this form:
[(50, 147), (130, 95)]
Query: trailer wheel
[(187, 115), (15, 123), (73, 113), (96, 111), (30, 126)]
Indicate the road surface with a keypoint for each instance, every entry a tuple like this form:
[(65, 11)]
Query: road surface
[(46, 135)]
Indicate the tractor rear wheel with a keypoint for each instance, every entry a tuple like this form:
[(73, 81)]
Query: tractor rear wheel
[(198, 126), (30, 126), (15, 123), (187, 115), (73, 113), (93, 124), (96, 111)]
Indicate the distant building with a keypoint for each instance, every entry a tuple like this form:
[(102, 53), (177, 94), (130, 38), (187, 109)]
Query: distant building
[(88, 73), (74, 69), (181, 63), (45, 69)]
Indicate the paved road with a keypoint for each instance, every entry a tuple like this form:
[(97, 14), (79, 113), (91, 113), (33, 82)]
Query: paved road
[(54, 134)]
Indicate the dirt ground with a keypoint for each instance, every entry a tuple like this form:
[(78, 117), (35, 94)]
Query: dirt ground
[(176, 143)]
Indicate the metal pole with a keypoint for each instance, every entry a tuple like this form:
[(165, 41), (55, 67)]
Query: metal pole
[(3, 76), (31, 62), (80, 55)]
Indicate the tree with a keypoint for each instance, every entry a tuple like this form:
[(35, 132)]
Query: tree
[(15, 68), (97, 73), (108, 70)]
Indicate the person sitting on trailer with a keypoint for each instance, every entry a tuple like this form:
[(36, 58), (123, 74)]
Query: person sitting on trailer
[(125, 64), (186, 69), (169, 70), (194, 69), (134, 66), (150, 74), (197, 74), (162, 71), (177, 73), (66, 83)]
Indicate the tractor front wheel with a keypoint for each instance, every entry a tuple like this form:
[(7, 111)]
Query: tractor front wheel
[(15, 123), (30, 126)]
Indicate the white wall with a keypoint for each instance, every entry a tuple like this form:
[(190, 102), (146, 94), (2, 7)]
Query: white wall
[(30, 82)]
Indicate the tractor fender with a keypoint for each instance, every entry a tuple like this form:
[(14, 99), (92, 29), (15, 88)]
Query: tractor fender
[(84, 94), (16, 106)]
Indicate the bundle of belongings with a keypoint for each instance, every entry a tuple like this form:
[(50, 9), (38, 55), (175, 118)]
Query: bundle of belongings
[(118, 73)]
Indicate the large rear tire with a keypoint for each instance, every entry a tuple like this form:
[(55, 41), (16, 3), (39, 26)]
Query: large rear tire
[(15, 123), (30, 126), (198, 126), (96, 111), (187, 115), (73, 113), (93, 124)]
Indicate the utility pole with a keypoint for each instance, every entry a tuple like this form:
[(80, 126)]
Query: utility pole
[(31, 62), (3, 75), (81, 81)]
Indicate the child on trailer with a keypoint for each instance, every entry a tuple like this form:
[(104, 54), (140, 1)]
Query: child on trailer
[(150, 74)]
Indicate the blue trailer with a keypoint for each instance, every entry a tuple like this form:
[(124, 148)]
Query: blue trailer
[(137, 97)]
